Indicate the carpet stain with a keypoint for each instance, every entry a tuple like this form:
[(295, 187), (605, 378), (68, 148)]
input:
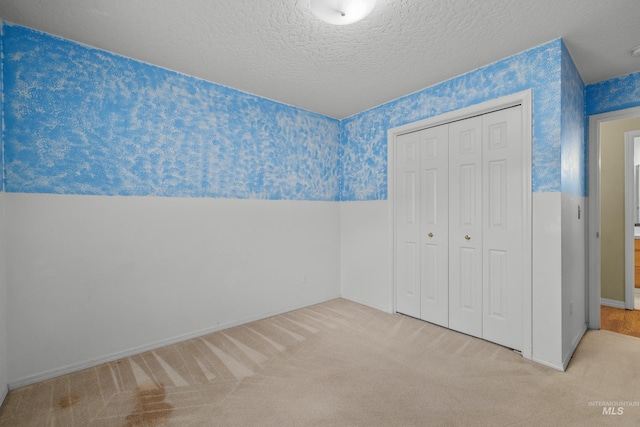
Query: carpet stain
[(150, 408), (68, 401)]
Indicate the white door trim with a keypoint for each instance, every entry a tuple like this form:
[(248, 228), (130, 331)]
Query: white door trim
[(594, 208), (521, 98), (629, 215)]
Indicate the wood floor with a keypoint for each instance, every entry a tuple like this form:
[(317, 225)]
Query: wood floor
[(619, 320)]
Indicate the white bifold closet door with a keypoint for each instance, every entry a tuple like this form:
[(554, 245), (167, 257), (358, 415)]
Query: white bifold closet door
[(465, 232), (459, 209), (422, 225), (503, 227)]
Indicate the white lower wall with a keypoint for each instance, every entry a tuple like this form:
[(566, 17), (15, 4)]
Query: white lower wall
[(365, 262), (91, 279), (547, 279), (574, 274), (4, 375), (559, 277), (94, 278)]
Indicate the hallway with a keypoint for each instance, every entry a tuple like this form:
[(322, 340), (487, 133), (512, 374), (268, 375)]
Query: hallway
[(619, 320)]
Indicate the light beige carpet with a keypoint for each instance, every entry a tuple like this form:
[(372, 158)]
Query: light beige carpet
[(341, 364)]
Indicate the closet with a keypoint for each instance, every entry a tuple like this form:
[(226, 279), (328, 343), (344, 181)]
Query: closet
[(459, 233)]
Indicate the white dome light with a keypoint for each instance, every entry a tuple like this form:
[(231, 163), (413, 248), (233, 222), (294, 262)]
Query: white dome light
[(341, 12)]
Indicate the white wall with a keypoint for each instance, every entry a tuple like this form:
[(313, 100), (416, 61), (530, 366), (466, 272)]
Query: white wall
[(365, 261), (547, 279), (366, 264), (574, 274), (94, 278), (4, 376)]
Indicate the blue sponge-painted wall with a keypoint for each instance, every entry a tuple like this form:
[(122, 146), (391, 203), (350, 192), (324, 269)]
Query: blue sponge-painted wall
[(79, 120), (574, 146), (613, 94), (364, 140)]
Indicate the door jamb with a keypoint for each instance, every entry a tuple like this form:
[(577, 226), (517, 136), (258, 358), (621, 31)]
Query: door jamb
[(524, 99), (629, 209), (593, 239)]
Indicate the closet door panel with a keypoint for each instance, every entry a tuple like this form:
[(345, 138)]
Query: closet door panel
[(460, 200), (503, 227), (435, 228), (465, 226), (408, 225)]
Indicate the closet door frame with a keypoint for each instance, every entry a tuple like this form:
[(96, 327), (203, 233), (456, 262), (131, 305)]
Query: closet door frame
[(525, 100)]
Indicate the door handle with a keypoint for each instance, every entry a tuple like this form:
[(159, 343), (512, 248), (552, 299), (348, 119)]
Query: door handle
[(467, 237), (430, 234)]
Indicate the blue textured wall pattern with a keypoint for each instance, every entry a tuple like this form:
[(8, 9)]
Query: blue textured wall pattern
[(80, 120), (364, 146), (574, 146), (613, 94)]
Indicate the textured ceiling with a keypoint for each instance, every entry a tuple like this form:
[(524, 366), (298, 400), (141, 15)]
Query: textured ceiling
[(278, 50)]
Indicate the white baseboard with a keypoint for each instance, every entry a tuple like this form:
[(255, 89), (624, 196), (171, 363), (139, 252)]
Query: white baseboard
[(31, 379), (574, 346), (612, 303), (3, 394), (368, 304), (549, 363)]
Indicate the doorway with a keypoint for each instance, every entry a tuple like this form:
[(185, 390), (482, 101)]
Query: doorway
[(632, 217), (610, 237)]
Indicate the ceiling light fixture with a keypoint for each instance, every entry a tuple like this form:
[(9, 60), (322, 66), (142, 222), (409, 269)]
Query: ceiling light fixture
[(341, 12), (635, 51)]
